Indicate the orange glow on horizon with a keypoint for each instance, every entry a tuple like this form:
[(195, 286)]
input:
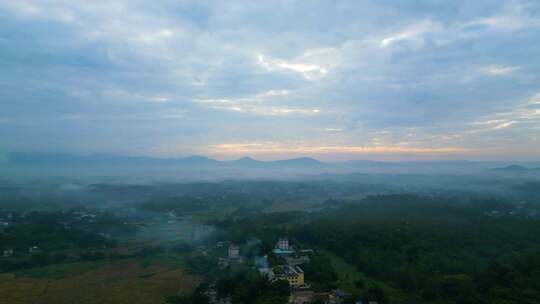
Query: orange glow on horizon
[(278, 148)]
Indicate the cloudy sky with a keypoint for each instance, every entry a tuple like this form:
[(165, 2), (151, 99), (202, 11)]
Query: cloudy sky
[(334, 80)]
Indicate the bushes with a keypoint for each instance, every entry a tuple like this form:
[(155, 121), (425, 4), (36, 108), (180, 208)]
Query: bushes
[(34, 260), (320, 272), (196, 298), (200, 264), (249, 288), (91, 256)]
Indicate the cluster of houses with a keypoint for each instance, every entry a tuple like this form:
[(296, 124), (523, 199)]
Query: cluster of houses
[(10, 251), (7, 253), (80, 216), (289, 269), (233, 255), (521, 209), (4, 223)]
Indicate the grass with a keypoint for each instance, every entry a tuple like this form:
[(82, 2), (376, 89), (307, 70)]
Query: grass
[(58, 271), (171, 261), (120, 281), (348, 275)]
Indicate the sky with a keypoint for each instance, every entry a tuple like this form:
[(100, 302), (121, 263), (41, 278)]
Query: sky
[(334, 80)]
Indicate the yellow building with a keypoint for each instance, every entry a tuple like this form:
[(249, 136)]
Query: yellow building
[(293, 274)]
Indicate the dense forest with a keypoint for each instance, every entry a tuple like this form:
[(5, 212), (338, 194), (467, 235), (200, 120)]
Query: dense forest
[(428, 249)]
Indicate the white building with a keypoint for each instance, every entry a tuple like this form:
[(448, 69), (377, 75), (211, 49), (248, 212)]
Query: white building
[(8, 253), (283, 244), (283, 248), (234, 251)]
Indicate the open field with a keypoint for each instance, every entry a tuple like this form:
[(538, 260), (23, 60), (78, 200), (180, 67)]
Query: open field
[(125, 281)]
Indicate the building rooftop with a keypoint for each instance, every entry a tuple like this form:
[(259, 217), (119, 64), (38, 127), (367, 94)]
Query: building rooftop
[(292, 270), (282, 251)]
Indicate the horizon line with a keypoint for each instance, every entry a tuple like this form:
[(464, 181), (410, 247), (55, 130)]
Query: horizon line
[(209, 157)]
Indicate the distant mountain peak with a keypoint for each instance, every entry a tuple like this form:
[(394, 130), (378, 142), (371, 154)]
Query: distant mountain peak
[(305, 158), (246, 159), (514, 168), (197, 160), (197, 157), (301, 161)]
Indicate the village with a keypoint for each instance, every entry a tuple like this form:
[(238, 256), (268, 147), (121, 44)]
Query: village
[(287, 265)]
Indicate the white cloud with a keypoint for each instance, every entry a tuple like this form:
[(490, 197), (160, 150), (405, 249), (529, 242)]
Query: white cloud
[(37, 9), (513, 18), (498, 70), (312, 65), (122, 95), (309, 71), (469, 74), (258, 104), (213, 100), (263, 110), (265, 96), (156, 98), (504, 125), (272, 93), (156, 36), (176, 114), (535, 99), (521, 116), (489, 122), (413, 33)]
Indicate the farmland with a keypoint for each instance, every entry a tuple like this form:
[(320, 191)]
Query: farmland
[(126, 281)]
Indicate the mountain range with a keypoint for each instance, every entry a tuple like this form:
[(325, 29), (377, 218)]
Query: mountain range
[(302, 164), (516, 169)]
